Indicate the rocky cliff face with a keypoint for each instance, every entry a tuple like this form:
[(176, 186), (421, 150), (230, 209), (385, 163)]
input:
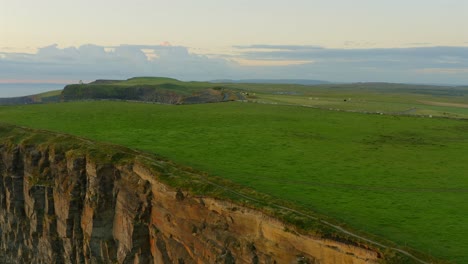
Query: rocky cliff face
[(161, 93), (59, 207)]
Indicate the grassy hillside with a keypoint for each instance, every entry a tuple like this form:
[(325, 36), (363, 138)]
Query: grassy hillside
[(396, 177), (47, 97)]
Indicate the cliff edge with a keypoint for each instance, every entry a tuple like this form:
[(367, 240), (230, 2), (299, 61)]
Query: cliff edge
[(68, 200)]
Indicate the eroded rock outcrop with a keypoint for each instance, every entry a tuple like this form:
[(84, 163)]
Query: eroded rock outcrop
[(57, 206)]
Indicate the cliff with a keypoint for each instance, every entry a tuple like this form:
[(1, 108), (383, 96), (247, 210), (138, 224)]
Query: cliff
[(67, 200), (166, 93)]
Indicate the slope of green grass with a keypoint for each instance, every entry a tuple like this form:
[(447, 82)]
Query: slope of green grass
[(163, 80), (48, 97), (49, 94), (158, 82), (400, 178)]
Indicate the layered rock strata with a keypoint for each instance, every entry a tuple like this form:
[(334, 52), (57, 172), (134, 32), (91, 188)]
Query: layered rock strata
[(61, 208)]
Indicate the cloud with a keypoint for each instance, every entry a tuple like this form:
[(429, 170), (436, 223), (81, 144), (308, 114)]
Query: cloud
[(279, 47), (418, 44), (310, 52), (270, 62), (369, 64), (88, 62), (443, 70)]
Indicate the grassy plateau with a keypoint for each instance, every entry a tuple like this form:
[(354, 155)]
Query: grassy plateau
[(386, 162), (401, 178)]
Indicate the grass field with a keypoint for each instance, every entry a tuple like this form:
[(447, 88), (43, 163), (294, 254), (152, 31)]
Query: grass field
[(381, 98), (400, 178), (389, 98)]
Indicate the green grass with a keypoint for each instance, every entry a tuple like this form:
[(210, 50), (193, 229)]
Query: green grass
[(360, 102), (163, 80), (366, 104), (360, 97), (365, 97), (49, 94), (399, 178), (180, 86)]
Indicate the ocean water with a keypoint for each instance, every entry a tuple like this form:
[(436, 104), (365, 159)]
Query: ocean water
[(22, 89)]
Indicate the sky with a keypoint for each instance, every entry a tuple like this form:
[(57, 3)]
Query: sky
[(62, 41)]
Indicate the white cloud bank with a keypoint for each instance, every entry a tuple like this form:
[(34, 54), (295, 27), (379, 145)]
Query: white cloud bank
[(445, 65)]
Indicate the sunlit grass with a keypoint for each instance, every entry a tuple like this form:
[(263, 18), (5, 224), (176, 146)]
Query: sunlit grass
[(400, 178)]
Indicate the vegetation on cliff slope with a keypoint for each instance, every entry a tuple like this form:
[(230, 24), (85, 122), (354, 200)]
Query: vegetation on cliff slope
[(158, 90), (397, 177)]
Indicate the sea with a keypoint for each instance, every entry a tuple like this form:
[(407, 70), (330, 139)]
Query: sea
[(22, 89)]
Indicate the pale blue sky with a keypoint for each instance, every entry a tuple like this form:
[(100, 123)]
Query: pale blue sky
[(218, 24), (222, 30)]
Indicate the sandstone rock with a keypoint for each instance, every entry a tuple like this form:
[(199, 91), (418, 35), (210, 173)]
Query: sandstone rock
[(59, 208)]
